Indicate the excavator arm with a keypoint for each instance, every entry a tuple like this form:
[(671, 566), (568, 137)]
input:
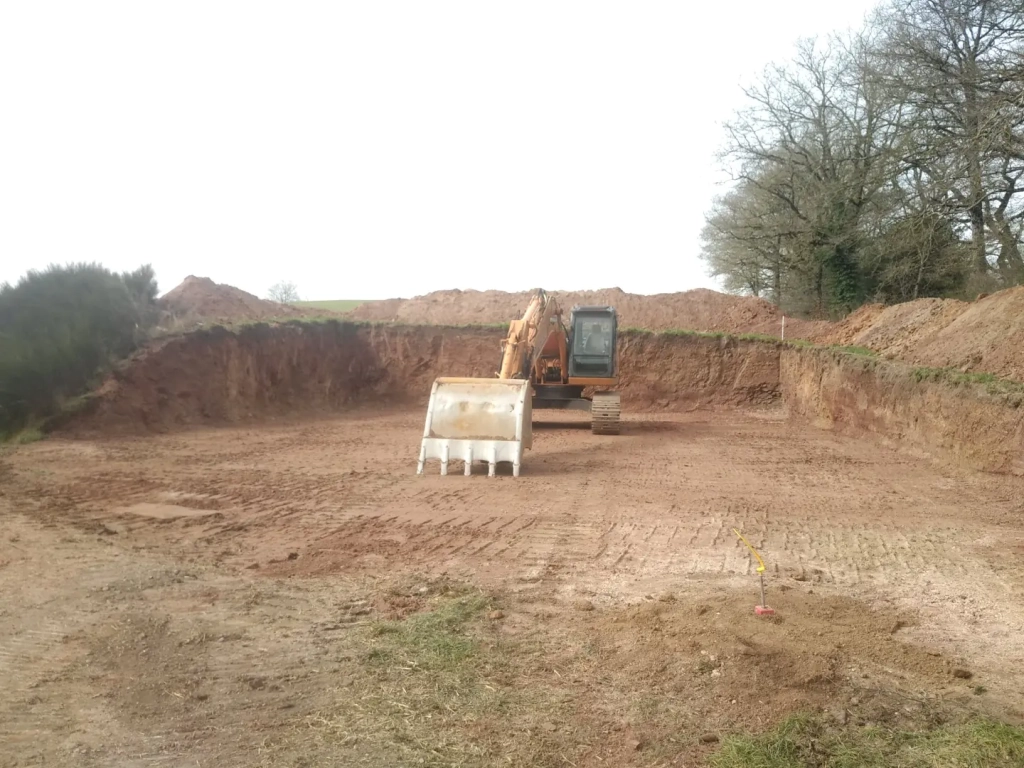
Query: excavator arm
[(528, 335)]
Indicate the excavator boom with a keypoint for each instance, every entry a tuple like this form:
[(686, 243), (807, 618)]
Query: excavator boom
[(527, 336)]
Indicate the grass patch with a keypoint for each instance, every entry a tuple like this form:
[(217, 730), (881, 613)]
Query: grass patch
[(334, 305), (756, 337), (451, 683), (442, 687), (807, 742), (761, 337), (992, 384), (241, 326), (852, 350), (28, 435), (435, 641)]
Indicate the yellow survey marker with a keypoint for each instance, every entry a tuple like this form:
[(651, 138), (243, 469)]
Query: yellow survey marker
[(762, 609)]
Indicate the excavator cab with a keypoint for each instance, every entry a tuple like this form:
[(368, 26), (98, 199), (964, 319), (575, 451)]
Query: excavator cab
[(593, 333)]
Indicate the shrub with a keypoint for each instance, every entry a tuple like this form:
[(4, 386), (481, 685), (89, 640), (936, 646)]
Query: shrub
[(63, 327)]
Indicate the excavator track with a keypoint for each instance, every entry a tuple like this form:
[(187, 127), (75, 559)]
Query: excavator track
[(604, 413)]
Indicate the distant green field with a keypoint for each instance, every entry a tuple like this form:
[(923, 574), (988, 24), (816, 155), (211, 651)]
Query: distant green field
[(335, 305)]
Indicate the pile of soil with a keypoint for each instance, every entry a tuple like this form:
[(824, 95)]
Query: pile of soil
[(696, 310), (847, 332), (980, 336), (987, 335), (898, 330), (201, 299)]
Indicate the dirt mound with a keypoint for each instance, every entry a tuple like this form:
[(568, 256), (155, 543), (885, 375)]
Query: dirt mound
[(897, 331), (980, 336), (201, 299), (846, 332), (986, 335), (697, 310), (964, 425)]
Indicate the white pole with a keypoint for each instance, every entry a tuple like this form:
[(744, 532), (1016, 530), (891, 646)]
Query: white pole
[(783, 328)]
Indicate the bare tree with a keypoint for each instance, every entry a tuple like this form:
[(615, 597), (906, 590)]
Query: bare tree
[(749, 239), (283, 293), (813, 139), (885, 165), (956, 65)]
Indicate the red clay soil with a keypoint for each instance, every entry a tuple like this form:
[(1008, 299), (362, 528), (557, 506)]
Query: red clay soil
[(988, 335), (697, 310), (199, 298), (221, 376), (981, 336), (847, 332), (265, 373), (895, 331)]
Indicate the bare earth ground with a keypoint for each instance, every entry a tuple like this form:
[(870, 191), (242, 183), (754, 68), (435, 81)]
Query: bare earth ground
[(214, 597)]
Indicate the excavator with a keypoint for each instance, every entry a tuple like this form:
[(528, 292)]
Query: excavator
[(544, 364)]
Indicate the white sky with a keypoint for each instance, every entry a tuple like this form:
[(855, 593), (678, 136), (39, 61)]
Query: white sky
[(367, 148)]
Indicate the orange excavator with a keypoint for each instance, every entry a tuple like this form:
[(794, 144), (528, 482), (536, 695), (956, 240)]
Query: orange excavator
[(544, 364)]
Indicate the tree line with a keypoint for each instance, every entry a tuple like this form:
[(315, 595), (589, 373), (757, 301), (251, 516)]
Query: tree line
[(61, 329), (883, 165)]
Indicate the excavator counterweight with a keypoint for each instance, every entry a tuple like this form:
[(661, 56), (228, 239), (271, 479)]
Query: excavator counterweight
[(544, 364)]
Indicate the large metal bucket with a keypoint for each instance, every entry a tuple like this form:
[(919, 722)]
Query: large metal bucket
[(487, 420)]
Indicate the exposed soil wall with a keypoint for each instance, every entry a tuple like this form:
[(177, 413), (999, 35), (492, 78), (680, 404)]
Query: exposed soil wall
[(265, 372), (858, 394), (682, 371), (262, 371)]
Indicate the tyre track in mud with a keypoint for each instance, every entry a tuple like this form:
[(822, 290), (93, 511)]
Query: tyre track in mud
[(617, 516), (661, 499)]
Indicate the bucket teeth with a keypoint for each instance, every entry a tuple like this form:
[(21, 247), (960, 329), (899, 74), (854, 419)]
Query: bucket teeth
[(486, 420)]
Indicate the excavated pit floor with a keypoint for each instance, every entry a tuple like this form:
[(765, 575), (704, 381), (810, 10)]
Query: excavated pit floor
[(611, 519)]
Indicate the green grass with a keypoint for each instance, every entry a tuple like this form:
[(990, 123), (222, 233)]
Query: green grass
[(851, 350), (428, 692), (334, 305), (992, 384), (434, 641), (808, 742), (702, 334), (28, 435)]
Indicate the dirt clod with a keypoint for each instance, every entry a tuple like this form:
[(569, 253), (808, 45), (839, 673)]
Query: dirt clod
[(709, 738), (962, 674), (496, 615)]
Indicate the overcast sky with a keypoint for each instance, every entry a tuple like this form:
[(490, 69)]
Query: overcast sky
[(368, 149)]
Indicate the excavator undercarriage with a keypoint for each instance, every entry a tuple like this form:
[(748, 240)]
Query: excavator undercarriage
[(544, 364)]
